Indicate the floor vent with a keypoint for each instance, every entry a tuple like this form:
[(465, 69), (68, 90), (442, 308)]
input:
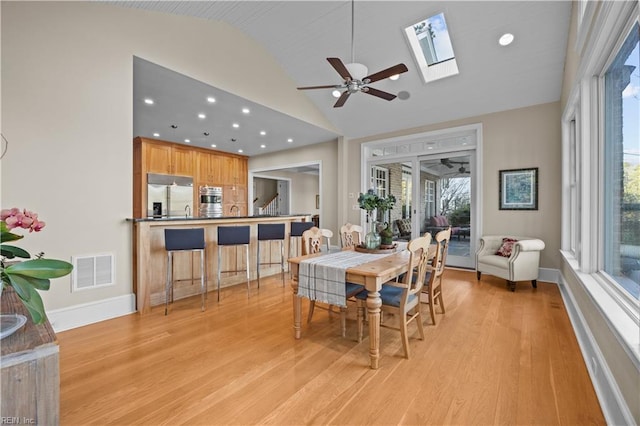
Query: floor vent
[(92, 271)]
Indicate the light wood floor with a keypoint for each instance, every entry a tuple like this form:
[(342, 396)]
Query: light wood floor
[(495, 357)]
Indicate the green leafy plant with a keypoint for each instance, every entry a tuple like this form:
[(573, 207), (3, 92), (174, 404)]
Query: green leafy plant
[(368, 201), (26, 277)]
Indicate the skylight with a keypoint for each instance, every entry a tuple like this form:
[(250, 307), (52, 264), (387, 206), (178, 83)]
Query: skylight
[(431, 47)]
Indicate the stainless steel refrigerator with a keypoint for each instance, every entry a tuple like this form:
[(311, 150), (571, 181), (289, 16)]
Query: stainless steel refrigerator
[(169, 196)]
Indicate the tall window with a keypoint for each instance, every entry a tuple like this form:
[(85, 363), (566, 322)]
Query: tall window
[(621, 194), (380, 180), (406, 192), (430, 198)]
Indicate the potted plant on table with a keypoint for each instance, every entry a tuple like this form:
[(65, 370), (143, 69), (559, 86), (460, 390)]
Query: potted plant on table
[(386, 234), (369, 202), (28, 276)]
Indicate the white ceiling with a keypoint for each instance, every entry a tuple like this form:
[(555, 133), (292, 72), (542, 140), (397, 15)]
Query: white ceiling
[(302, 34)]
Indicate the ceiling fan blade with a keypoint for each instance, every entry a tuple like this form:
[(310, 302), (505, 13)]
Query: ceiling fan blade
[(332, 86), (446, 162), (379, 93), (381, 75), (337, 64), (342, 99)]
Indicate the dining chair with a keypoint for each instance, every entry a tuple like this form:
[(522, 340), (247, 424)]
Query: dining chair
[(402, 299), (312, 240), (295, 236), (327, 234), (350, 235), (432, 290)]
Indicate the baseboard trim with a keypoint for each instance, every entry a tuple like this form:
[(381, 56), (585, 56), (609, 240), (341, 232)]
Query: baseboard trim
[(92, 312), (612, 403), (549, 275)]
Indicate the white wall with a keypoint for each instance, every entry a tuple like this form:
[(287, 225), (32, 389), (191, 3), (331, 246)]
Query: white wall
[(67, 113), (520, 138), (324, 153)]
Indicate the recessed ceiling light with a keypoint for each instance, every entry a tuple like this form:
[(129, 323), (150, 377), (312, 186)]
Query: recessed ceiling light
[(187, 140), (506, 39), (213, 145), (262, 133), (394, 77), (202, 115), (289, 140), (336, 93), (241, 151), (245, 110), (211, 99), (148, 101), (156, 135), (235, 125), (263, 146)]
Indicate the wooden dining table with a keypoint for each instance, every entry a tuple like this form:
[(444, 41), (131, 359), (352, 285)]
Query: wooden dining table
[(372, 275)]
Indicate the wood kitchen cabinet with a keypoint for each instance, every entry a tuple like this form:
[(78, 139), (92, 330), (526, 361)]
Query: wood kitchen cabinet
[(167, 159), (209, 169), (206, 167)]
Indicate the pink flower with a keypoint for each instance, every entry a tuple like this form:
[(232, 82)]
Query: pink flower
[(14, 218), (5, 213), (37, 225)]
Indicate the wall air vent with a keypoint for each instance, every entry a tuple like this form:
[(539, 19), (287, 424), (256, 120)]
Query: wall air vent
[(92, 271)]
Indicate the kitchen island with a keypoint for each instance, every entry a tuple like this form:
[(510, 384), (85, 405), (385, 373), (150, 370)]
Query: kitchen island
[(150, 256)]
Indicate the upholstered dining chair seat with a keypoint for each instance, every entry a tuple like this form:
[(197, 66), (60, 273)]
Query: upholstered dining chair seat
[(354, 289), (389, 294)]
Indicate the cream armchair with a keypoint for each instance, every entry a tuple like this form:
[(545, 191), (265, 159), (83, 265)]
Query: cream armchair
[(522, 265)]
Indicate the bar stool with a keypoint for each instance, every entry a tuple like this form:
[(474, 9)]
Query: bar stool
[(181, 240), (233, 236), (271, 232), (297, 228)]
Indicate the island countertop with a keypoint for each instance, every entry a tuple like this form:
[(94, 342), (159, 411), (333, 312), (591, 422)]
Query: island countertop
[(189, 218), (150, 258)]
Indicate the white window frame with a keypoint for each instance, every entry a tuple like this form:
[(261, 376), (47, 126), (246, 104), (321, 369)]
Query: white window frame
[(582, 239)]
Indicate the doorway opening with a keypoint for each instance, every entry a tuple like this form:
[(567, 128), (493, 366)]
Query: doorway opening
[(435, 179)]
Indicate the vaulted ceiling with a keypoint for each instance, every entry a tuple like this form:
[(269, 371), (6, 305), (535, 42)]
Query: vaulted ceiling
[(302, 34)]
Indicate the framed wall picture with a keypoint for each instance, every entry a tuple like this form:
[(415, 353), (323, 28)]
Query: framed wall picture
[(519, 189), (317, 201)]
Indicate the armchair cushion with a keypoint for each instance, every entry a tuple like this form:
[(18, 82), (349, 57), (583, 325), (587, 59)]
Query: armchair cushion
[(507, 247), (404, 226)]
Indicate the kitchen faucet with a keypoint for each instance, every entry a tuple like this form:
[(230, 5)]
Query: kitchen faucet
[(237, 210), (187, 210)]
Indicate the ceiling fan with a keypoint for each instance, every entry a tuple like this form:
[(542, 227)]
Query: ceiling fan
[(447, 162), (355, 76)]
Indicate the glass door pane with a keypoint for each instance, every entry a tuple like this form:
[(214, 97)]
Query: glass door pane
[(394, 179), (445, 199)]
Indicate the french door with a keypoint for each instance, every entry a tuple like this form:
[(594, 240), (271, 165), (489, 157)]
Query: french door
[(435, 179)]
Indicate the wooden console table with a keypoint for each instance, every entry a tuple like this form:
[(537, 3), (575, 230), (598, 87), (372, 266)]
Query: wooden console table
[(29, 370)]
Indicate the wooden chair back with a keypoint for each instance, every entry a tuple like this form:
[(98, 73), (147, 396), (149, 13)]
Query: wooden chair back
[(327, 234), (414, 279), (433, 288), (350, 235), (312, 241)]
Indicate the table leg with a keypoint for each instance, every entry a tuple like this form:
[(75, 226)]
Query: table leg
[(373, 309), (297, 308)]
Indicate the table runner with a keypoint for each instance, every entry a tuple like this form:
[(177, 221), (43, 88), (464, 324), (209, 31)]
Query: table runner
[(322, 278)]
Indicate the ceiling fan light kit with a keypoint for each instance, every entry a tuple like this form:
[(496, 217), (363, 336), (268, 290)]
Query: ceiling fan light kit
[(356, 76)]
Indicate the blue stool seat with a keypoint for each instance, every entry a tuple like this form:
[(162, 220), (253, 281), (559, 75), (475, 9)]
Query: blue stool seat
[(180, 240), (233, 236), (271, 232)]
